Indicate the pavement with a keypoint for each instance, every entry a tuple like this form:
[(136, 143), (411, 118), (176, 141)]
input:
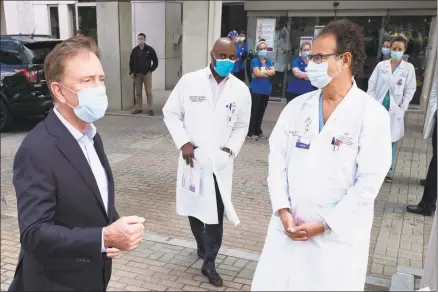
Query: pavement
[(143, 158)]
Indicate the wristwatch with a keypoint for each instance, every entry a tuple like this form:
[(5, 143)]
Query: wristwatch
[(228, 150), (325, 225)]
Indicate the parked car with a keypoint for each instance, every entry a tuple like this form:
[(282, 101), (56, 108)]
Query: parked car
[(23, 89)]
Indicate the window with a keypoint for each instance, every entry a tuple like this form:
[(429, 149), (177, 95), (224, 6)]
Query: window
[(54, 21), (10, 58), (88, 21), (38, 51)]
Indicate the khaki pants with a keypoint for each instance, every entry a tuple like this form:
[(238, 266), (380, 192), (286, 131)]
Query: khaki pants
[(141, 79)]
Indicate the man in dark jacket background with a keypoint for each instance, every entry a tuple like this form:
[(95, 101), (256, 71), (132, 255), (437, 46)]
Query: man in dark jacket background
[(142, 62)]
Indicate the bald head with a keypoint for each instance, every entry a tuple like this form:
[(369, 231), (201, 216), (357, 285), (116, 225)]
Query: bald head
[(223, 48)]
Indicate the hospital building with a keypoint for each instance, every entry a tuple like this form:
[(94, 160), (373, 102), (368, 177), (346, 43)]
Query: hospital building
[(183, 32)]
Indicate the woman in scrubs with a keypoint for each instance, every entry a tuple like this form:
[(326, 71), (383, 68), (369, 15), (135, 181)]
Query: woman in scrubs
[(241, 53), (299, 82), (261, 87)]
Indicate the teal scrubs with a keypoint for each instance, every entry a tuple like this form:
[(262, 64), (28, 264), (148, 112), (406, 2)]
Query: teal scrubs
[(386, 103)]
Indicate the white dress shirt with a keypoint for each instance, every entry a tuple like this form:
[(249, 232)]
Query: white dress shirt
[(86, 143), (216, 88)]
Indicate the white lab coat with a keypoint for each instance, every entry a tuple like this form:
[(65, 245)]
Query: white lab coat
[(190, 116), (430, 122), (430, 276), (337, 185), (401, 85)]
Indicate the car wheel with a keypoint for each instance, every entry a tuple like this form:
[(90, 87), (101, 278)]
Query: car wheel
[(5, 116)]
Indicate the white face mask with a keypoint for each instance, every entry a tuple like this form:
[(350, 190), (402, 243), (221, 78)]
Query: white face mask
[(92, 103), (318, 74)]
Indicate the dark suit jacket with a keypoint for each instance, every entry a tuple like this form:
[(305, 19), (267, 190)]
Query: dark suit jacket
[(60, 212)]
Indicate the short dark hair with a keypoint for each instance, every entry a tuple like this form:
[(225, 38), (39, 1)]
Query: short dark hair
[(349, 38), (400, 39), (242, 32), (142, 34)]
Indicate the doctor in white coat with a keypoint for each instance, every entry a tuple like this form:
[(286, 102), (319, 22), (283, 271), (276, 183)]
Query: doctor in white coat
[(427, 204), (329, 153), (393, 84), (208, 115)]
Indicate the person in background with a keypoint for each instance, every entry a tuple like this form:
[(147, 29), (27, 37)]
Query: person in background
[(393, 84), (80, 33), (209, 131), (242, 54), (329, 153), (261, 88), (233, 36), (142, 62), (386, 51), (427, 204), (299, 82)]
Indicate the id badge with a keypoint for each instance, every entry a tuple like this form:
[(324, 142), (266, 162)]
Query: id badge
[(303, 143), (263, 69)]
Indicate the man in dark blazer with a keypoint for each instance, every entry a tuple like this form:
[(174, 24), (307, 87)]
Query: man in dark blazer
[(69, 226)]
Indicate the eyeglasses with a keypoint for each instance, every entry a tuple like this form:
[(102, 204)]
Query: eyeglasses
[(224, 57), (318, 58)]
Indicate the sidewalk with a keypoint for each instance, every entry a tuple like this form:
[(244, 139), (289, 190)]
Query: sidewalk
[(143, 159)]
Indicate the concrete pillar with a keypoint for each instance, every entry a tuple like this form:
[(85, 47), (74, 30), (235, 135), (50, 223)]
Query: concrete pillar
[(65, 22), (19, 17), (115, 43), (2, 19), (201, 27)]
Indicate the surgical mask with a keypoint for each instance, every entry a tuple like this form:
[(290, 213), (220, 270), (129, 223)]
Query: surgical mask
[(92, 103), (386, 51), (396, 55), (240, 39), (223, 67), (318, 74), (305, 53), (262, 53)]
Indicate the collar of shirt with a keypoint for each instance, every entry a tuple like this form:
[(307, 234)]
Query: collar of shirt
[(90, 132), (211, 77)]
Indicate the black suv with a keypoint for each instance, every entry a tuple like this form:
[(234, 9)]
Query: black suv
[(23, 89)]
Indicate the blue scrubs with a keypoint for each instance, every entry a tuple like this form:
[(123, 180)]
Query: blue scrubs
[(260, 85), (387, 103), (240, 51), (298, 85)]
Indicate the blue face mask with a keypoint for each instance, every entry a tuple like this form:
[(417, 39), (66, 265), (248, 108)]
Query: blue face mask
[(92, 103), (305, 53), (396, 55), (386, 51), (223, 67), (262, 53)]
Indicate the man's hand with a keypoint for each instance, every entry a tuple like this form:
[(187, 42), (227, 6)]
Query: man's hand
[(311, 228), (113, 253), (289, 226), (124, 234), (188, 153)]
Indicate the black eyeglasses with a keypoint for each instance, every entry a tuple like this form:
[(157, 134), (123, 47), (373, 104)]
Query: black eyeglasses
[(318, 58)]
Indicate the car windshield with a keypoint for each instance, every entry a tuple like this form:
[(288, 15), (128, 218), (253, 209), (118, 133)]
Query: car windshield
[(39, 50)]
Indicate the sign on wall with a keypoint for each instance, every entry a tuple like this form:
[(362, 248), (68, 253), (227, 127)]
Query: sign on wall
[(266, 30)]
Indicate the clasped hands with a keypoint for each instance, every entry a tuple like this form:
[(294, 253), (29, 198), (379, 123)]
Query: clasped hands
[(299, 232)]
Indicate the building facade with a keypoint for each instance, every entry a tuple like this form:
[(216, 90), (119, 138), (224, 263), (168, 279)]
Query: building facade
[(183, 32)]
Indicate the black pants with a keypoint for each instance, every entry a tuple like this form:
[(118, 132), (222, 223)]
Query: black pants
[(290, 96), (240, 74), (258, 108), (209, 236), (428, 201)]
